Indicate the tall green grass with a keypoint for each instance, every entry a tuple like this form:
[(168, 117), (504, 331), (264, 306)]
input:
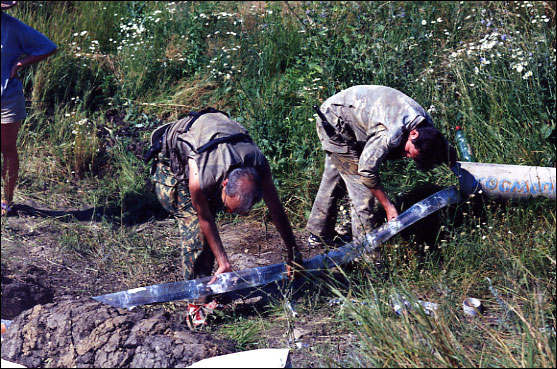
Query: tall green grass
[(125, 67), (514, 278)]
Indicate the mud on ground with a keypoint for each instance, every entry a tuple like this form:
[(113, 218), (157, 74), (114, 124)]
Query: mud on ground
[(84, 333), (46, 290)]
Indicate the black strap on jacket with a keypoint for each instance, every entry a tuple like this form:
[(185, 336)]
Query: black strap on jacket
[(156, 146), (329, 129), (346, 136), (196, 115), (238, 137)]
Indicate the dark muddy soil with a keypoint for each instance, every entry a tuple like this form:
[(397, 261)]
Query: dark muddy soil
[(20, 295), (47, 293), (84, 333), (56, 324)]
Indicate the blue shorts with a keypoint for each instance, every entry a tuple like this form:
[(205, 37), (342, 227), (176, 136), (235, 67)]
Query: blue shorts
[(13, 111)]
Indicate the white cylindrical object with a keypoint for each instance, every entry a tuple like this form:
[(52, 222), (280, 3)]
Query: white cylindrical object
[(509, 181), (471, 306)]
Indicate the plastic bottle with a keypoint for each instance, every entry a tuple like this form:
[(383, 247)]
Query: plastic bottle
[(463, 145)]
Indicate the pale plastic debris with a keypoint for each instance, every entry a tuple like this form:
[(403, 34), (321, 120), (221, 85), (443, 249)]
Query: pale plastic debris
[(9, 364), (471, 306), (400, 304), (5, 326), (397, 303), (261, 358), (291, 309)]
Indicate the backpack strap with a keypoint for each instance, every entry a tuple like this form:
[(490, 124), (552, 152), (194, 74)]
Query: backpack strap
[(158, 133), (238, 137), (196, 115), (156, 142)]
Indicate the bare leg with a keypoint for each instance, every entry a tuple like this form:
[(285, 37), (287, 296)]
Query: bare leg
[(10, 165)]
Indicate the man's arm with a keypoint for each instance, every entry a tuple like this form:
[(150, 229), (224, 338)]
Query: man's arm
[(31, 59), (383, 199), (373, 154), (279, 218), (207, 221)]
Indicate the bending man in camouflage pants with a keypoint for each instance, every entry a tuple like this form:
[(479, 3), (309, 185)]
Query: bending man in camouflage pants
[(359, 128), (174, 196), (204, 163)]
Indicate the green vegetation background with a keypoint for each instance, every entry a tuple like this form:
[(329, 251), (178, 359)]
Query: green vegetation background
[(124, 68)]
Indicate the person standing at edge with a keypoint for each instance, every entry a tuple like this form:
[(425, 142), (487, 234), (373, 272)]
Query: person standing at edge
[(204, 163), (359, 128), (18, 40)]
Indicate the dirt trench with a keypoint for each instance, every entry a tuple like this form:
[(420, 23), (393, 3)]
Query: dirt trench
[(84, 333), (22, 292), (56, 324)]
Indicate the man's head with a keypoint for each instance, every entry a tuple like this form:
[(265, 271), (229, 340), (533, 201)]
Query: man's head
[(427, 146), (241, 190)]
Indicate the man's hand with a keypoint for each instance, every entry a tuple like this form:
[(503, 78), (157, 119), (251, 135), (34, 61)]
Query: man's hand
[(295, 267), (280, 220), (207, 221), (222, 269), (391, 213), (381, 196), (14, 70), (28, 60)]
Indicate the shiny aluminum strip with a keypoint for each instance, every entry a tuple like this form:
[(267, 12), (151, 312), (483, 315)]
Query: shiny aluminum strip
[(260, 276)]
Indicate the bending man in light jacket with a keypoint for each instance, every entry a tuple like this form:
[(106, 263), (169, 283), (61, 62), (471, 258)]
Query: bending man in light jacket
[(359, 128)]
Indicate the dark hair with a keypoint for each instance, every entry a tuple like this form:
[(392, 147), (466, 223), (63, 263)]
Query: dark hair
[(234, 187), (433, 148)]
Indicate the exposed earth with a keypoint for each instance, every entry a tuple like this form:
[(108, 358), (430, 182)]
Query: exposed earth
[(46, 292)]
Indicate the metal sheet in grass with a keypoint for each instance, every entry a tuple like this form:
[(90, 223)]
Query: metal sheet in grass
[(252, 278)]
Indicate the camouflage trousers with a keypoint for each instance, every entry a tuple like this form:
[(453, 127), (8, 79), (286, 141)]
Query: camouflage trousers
[(341, 177), (174, 196)]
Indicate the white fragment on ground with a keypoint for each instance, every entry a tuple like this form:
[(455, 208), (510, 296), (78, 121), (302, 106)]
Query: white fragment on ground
[(261, 358), (299, 333), (9, 364)]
